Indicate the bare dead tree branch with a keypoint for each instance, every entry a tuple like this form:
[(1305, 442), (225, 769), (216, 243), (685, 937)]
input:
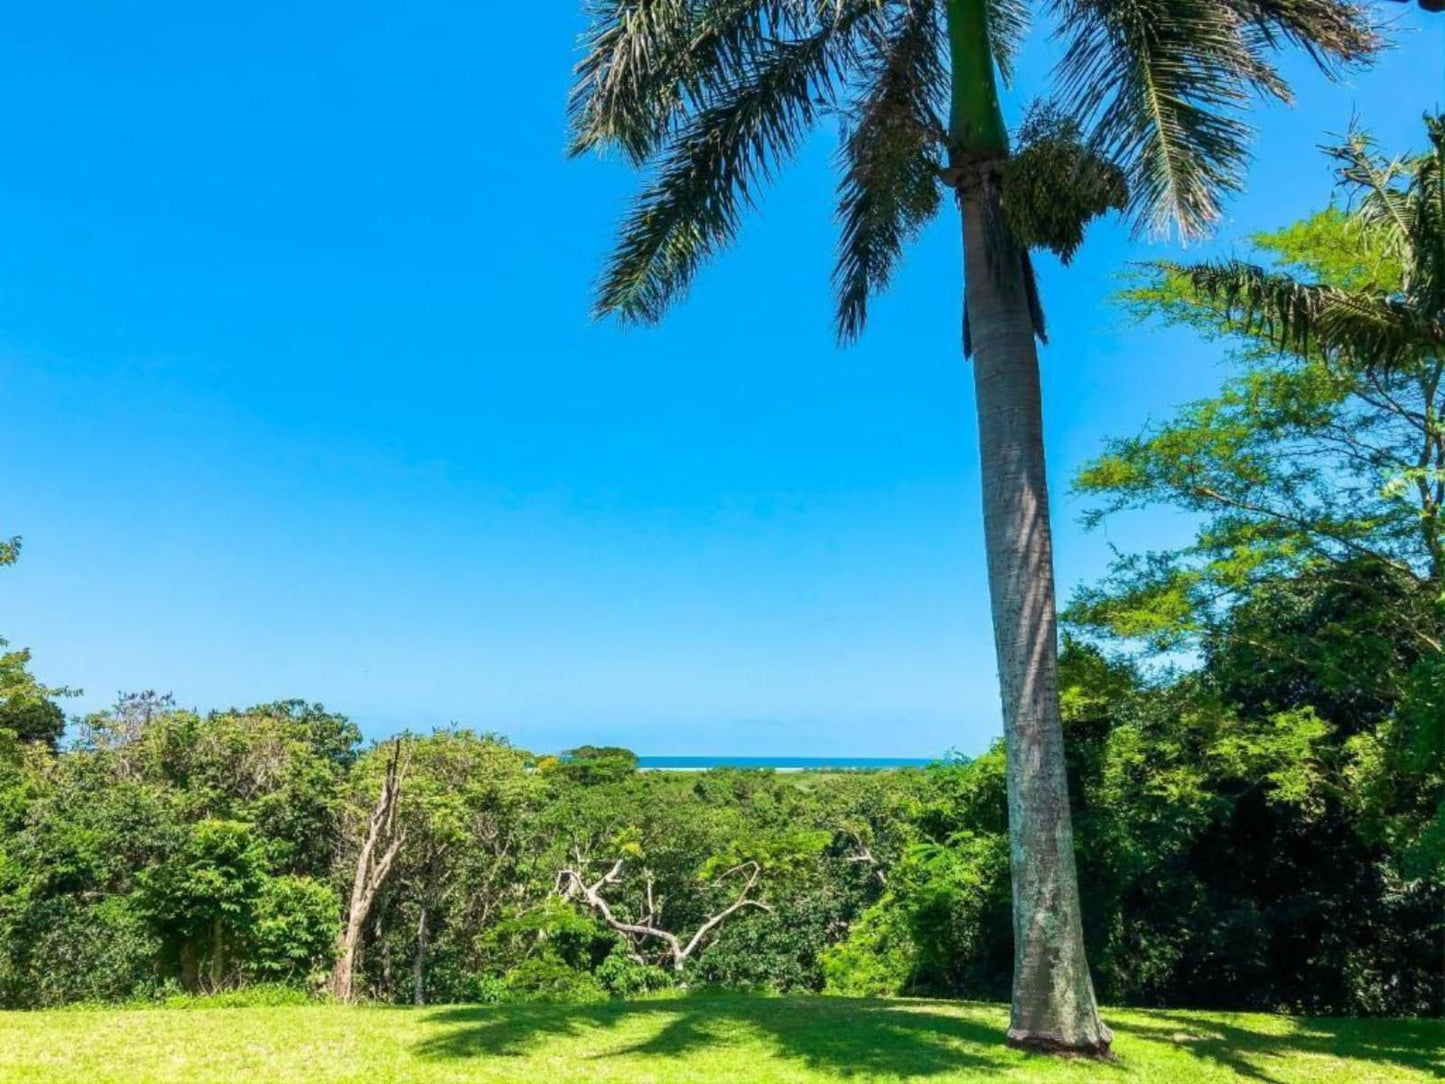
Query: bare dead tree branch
[(863, 855), (572, 885), (371, 872)]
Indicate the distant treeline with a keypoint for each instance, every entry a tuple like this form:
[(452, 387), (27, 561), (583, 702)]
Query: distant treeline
[(1222, 860)]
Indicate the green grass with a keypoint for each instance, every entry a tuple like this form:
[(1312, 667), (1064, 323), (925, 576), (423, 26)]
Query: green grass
[(699, 1038)]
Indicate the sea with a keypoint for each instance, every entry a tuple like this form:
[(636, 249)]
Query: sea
[(779, 764)]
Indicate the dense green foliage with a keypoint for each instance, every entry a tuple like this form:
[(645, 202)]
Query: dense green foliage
[(1246, 839)]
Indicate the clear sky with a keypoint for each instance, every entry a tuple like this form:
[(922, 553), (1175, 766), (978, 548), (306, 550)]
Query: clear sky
[(299, 395)]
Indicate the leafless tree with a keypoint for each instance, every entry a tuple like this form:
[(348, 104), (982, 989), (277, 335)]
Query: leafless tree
[(862, 854), (572, 885), (371, 872)]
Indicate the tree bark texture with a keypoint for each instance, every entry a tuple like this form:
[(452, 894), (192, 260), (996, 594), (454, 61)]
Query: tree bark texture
[(371, 872), (1053, 995), (418, 966)]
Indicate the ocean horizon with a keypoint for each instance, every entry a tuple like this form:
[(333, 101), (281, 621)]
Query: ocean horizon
[(781, 764)]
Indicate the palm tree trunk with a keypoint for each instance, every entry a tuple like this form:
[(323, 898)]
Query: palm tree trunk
[(1053, 996)]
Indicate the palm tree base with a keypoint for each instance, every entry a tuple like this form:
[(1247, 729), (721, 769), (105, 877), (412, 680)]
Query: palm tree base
[(1048, 1044)]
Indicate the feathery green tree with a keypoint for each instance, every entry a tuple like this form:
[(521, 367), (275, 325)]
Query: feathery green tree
[(1326, 454), (1380, 333), (714, 96)]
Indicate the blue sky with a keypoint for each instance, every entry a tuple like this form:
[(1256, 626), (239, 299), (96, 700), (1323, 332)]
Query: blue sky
[(299, 395)]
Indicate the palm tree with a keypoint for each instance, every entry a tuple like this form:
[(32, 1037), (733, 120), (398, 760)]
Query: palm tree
[(714, 96)]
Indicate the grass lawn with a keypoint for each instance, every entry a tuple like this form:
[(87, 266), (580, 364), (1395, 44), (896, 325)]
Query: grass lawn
[(701, 1038)]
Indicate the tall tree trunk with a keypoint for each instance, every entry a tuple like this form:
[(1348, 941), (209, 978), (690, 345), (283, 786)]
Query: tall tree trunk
[(418, 964), (344, 971), (190, 967), (371, 873), (1053, 996), (379, 938)]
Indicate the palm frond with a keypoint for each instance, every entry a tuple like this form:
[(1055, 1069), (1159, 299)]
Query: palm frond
[(889, 188), (1380, 202), (647, 63), (710, 168), (621, 94), (1402, 201), (1334, 34), (1372, 330), (1008, 25), (1163, 83), (1429, 183)]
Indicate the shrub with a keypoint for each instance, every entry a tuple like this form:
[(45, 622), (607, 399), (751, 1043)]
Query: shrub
[(623, 976), (294, 932), (262, 996), (65, 951), (546, 978)]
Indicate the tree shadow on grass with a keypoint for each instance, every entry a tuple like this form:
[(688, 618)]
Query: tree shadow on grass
[(1247, 1052), (842, 1036), (848, 1037)]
